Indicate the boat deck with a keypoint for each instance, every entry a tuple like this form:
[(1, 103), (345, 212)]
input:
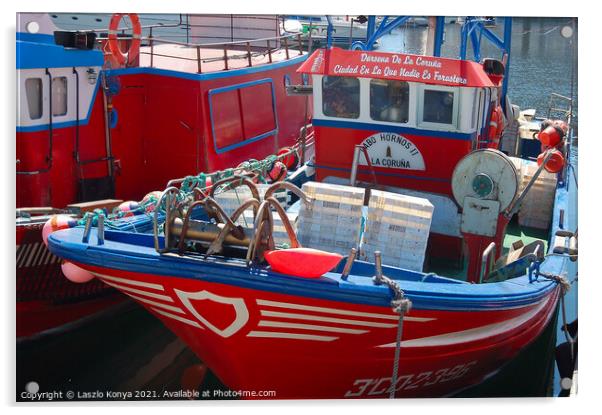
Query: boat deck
[(186, 58), (514, 232)]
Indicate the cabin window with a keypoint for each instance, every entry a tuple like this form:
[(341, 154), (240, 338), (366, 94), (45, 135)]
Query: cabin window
[(33, 91), (341, 97), (438, 106), (59, 96), (389, 100), (242, 114)]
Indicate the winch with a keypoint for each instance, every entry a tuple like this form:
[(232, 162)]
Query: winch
[(484, 184)]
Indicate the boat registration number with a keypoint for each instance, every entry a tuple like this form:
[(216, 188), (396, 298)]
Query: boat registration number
[(380, 386)]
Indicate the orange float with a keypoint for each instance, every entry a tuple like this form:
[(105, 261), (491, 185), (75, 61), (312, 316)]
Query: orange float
[(302, 262), (554, 164)]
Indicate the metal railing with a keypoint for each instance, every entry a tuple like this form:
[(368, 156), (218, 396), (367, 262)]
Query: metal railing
[(487, 261), (560, 105), (291, 43)]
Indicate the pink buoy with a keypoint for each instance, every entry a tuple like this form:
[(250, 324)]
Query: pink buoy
[(55, 223), (128, 207), (75, 274)]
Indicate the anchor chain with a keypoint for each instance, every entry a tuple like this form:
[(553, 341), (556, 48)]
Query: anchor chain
[(401, 305)]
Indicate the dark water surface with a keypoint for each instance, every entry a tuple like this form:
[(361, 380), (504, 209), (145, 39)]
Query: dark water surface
[(130, 350)]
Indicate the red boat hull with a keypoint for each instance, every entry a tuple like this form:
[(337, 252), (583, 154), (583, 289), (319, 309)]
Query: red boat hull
[(300, 347), (46, 300)]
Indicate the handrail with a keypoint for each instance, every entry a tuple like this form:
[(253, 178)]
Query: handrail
[(215, 44), (245, 45), (488, 254)]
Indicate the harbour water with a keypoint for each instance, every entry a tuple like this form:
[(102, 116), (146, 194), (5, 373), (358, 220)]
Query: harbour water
[(541, 59), (128, 350)]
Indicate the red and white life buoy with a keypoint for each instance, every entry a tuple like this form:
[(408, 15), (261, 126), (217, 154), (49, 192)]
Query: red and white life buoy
[(495, 126), (132, 53)]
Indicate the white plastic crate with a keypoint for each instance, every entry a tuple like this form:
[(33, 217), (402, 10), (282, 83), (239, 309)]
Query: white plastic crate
[(230, 200), (398, 226), (332, 222)]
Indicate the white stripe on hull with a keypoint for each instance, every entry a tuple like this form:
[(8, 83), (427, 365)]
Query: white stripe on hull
[(338, 311), (178, 318), (132, 282), (474, 334), (266, 313), (295, 336), (284, 325), (136, 291)]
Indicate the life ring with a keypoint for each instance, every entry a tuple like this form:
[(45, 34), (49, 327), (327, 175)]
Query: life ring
[(495, 124), (132, 53)]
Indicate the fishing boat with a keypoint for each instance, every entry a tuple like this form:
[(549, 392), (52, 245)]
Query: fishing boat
[(97, 126), (414, 259)]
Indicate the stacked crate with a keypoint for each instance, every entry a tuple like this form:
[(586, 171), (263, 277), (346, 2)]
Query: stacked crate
[(398, 226), (279, 232), (536, 208), (518, 164), (333, 221)]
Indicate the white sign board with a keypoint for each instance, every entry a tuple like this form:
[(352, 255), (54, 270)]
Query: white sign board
[(393, 151)]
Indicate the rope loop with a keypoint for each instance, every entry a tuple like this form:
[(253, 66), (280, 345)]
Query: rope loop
[(564, 283), (400, 304)]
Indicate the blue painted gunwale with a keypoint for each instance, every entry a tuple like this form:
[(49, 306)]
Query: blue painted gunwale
[(35, 53), (434, 293)]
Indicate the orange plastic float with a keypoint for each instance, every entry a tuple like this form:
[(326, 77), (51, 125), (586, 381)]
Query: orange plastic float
[(302, 262)]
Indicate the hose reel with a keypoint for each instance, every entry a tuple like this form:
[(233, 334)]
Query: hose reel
[(484, 184)]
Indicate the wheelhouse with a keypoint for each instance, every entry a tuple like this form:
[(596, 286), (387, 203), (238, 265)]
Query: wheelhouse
[(402, 123)]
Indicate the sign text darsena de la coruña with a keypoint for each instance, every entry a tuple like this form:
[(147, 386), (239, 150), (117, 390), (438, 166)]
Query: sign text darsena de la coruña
[(419, 68)]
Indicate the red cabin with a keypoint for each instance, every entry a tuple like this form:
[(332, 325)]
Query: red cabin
[(89, 130), (413, 117)]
